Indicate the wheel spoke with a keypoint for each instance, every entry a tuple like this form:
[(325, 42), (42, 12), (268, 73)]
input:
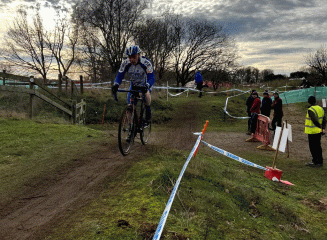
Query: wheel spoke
[(126, 132)]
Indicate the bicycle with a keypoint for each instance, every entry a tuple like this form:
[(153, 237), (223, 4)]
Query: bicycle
[(132, 122)]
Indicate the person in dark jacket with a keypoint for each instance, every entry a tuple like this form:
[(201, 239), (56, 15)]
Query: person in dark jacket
[(266, 104), (248, 103), (255, 110), (277, 105), (199, 82)]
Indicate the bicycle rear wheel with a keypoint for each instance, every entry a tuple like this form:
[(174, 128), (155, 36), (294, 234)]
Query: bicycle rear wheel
[(126, 131)]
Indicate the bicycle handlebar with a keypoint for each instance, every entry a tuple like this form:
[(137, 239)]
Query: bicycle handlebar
[(122, 90)]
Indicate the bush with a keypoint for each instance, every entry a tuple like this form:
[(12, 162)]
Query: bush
[(161, 110)]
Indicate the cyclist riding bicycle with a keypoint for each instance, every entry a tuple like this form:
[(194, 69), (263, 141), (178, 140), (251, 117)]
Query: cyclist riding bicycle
[(141, 75)]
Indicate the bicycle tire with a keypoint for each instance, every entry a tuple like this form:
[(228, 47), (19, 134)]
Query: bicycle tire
[(126, 131), (145, 128), (146, 132)]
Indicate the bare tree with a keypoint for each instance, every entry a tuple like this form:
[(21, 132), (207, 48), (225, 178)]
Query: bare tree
[(114, 22), (318, 62), (240, 75), (90, 58), (5, 68), (223, 62), (251, 74), (264, 74), (156, 37), (25, 44), (62, 42), (201, 44)]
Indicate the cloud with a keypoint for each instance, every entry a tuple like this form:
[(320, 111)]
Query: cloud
[(279, 51), (255, 19), (270, 29), (2, 2)]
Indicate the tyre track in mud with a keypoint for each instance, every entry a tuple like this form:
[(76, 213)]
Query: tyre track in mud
[(179, 134), (49, 201), (46, 203), (34, 213)]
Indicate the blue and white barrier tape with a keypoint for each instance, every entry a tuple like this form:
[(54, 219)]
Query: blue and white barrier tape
[(230, 90), (225, 108), (234, 157), (172, 196), (177, 94)]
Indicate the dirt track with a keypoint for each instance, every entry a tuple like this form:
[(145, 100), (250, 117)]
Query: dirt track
[(46, 204), (48, 201), (299, 148)]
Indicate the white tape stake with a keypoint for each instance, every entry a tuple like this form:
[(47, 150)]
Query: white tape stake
[(276, 137), (289, 127), (282, 144), (324, 103), (164, 216)]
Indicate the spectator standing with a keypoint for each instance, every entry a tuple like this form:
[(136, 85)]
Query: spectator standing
[(315, 124), (199, 82), (248, 103), (255, 110), (277, 105), (214, 86), (266, 104)]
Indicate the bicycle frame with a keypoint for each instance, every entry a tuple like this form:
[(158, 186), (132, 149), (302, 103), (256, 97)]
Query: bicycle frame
[(133, 102), (135, 122)]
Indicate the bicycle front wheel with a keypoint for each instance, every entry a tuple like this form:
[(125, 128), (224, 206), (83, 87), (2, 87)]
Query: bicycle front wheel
[(146, 132), (126, 131)]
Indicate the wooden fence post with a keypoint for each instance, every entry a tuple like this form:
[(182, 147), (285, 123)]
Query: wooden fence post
[(74, 111), (71, 89), (59, 84), (4, 77), (81, 84), (31, 83), (65, 78)]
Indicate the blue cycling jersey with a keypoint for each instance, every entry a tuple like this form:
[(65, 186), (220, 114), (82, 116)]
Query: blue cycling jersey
[(139, 75)]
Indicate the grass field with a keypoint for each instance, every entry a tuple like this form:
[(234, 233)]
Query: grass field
[(31, 151), (217, 199)]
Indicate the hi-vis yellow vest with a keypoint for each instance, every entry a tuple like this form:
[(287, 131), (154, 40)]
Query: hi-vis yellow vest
[(310, 128)]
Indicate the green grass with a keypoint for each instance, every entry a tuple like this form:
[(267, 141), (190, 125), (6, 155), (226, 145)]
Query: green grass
[(102, 100), (218, 198), (211, 108), (30, 150)]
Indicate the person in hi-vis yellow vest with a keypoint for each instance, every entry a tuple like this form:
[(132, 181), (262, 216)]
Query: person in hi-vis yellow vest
[(315, 124)]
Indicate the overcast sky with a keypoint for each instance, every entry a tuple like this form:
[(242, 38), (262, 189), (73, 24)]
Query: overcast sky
[(270, 34), (273, 34)]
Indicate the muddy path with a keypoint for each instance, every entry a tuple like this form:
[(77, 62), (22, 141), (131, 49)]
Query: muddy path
[(49, 201), (46, 202), (235, 142)]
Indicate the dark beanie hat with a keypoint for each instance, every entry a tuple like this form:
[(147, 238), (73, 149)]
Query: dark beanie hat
[(312, 100)]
